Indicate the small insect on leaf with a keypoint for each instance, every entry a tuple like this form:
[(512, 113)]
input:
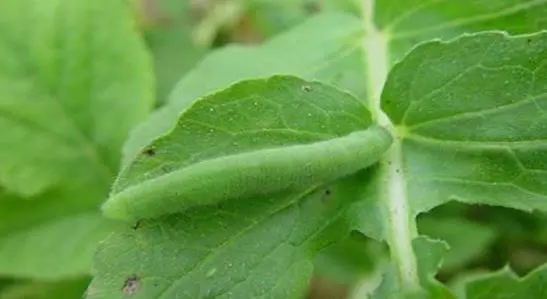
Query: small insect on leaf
[(307, 88)]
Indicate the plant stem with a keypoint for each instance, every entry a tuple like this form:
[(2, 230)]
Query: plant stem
[(401, 227)]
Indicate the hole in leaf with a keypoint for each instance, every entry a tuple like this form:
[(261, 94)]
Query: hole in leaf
[(131, 285), (307, 88)]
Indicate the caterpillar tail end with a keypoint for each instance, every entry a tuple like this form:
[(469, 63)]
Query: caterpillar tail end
[(114, 209)]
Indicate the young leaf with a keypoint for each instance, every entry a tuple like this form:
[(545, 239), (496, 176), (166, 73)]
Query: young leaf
[(74, 78), (255, 243), (506, 285)]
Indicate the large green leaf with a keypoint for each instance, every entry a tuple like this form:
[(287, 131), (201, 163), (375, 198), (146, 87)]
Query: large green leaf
[(471, 116), (74, 78), (470, 121), (256, 244), (70, 90)]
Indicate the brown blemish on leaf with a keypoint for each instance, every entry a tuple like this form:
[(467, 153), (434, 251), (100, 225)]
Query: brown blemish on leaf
[(131, 286), (306, 88), (326, 195), (312, 7), (137, 224), (149, 151)]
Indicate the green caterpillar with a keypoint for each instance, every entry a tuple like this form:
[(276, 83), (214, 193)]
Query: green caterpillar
[(250, 174)]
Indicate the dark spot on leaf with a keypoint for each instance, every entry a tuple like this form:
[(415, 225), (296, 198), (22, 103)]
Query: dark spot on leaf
[(306, 88), (137, 224), (326, 195), (528, 40), (149, 151), (312, 7), (131, 285)]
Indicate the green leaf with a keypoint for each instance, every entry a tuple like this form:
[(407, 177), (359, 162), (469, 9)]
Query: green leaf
[(408, 24), (256, 244), (450, 104), (61, 248), (467, 240), (274, 17), (70, 91), (350, 259), (70, 289), (457, 143), (261, 246), (74, 79), (505, 284), (169, 36)]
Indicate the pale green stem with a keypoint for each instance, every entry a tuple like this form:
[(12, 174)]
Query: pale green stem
[(401, 227)]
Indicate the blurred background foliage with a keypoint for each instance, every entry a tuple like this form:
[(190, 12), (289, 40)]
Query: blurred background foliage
[(180, 32)]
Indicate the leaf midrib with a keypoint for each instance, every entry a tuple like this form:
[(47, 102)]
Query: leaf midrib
[(393, 195)]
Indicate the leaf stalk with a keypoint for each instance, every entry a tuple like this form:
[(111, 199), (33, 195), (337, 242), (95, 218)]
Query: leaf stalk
[(401, 227)]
